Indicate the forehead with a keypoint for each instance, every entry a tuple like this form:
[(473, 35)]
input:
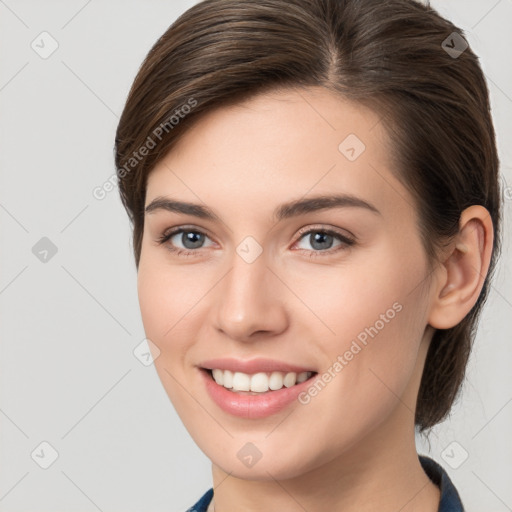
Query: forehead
[(285, 143)]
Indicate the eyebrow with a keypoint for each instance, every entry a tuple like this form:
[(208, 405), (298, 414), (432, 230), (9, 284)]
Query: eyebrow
[(284, 211)]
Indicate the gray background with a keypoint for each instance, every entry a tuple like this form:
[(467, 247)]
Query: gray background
[(69, 325)]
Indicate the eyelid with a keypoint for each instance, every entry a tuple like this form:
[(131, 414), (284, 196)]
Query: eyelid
[(304, 230), (169, 233), (327, 229), (348, 239)]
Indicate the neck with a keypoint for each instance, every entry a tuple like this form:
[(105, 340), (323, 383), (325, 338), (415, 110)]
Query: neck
[(372, 475)]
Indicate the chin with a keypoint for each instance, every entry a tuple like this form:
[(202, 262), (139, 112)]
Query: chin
[(269, 463)]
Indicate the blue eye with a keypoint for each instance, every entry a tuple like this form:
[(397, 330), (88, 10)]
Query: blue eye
[(192, 239), (322, 239)]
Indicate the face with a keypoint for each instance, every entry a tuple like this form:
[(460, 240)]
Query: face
[(323, 301)]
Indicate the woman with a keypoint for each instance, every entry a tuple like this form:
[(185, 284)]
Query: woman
[(313, 187)]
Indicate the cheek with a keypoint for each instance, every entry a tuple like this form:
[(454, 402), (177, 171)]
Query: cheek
[(166, 299), (167, 293), (369, 293), (372, 321), (370, 360), (166, 303)]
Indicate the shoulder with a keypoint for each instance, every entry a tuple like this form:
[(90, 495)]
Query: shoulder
[(450, 500), (203, 502)]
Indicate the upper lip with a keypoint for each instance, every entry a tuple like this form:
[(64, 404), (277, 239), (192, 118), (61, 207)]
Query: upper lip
[(252, 366)]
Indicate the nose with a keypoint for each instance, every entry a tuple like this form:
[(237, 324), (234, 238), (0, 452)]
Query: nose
[(249, 301)]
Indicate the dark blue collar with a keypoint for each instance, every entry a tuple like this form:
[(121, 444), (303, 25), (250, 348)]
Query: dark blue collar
[(449, 502)]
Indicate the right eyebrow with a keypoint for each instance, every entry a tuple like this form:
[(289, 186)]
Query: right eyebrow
[(171, 205)]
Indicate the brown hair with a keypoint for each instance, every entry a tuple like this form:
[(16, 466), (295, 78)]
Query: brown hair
[(398, 57)]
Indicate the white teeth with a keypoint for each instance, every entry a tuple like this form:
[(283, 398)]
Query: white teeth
[(301, 377), (258, 382), (241, 382), (290, 379), (276, 381), (218, 375), (227, 379)]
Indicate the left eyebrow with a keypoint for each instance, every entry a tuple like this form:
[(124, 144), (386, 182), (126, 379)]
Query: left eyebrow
[(324, 202), (284, 211)]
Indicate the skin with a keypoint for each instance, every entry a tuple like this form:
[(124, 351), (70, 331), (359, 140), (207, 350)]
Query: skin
[(352, 446)]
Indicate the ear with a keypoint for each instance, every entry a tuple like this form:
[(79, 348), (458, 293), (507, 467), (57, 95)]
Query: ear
[(462, 273)]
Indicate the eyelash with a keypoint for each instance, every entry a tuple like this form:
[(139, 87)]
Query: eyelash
[(346, 241)]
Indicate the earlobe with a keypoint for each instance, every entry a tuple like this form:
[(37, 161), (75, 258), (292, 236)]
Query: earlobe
[(464, 270)]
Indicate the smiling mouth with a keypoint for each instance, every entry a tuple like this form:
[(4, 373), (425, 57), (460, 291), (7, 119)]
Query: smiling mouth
[(257, 383)]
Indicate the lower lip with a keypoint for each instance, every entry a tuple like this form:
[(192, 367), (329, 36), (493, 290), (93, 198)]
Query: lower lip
[(252, 406)]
